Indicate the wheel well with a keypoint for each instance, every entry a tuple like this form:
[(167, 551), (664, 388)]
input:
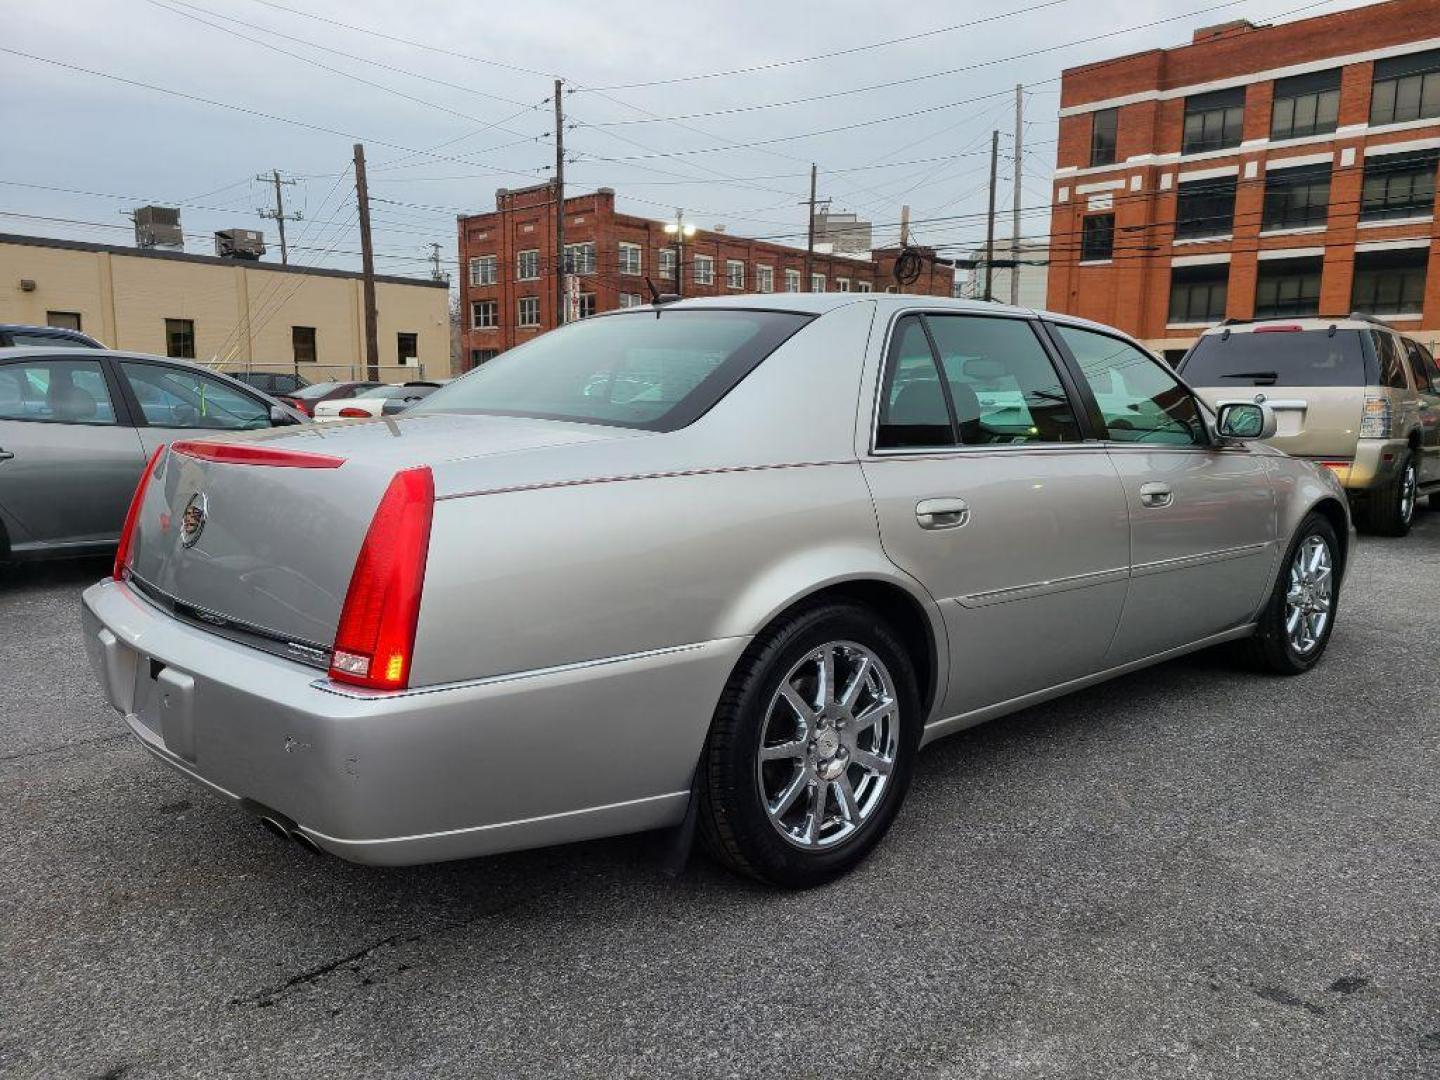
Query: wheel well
[(905, 616), (1414, 439), (1333, 512)]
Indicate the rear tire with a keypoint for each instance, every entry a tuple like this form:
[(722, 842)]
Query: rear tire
[(1292, 634), (785, 741), (1391, 508)]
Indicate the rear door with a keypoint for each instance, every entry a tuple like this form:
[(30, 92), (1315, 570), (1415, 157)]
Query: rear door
[(69, 459), (1202, 515), (1427, 398), (989, 492), (177, 402)]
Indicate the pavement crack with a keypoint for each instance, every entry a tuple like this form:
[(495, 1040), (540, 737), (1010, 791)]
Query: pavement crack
[(1284, 997), (4, 758)]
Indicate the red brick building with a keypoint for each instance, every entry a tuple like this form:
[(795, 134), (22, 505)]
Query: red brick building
[(507, 261), (1258, 171)]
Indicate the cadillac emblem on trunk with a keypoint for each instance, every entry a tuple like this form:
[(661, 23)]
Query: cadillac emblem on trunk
[(192, 522)]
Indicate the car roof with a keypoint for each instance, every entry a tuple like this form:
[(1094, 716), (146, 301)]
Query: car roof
[(1348, 322), (16, 352)]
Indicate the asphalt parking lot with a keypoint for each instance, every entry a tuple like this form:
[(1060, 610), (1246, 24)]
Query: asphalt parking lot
[(1187, 872)]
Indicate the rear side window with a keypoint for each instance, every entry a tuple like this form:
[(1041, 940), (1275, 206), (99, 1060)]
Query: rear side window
[(1414, 355), (1288, 358), (1387, 353), (57, 391)]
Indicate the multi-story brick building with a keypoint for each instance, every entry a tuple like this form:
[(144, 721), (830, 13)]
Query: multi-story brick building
[(1259, 171), (507, 259)]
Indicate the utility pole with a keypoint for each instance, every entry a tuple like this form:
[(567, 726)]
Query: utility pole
[(681, 230), (278, 215), (1015, 205), (435, 274), (905, 225), (810, 238), (367, 265), (990, 220), (562, 294)]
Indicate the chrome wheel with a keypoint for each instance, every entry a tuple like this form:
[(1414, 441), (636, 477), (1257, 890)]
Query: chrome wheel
[(1308, 599), (828, 744), (1407, 493)]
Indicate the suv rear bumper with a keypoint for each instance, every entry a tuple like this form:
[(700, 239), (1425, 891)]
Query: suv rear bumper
[(526, 760), (1374, 464)]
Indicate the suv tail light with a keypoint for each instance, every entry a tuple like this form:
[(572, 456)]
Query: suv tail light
[(375, 642), (127, 533), (1375, 421), (350, 412)]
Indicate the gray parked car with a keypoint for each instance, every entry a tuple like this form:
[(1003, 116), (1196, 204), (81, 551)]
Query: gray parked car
[(738, 559), (76, 425)]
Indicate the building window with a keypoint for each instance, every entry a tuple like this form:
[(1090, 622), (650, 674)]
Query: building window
[(587, 305), (1390, 282), (485, 314), (792, 280), (64, 320), (302, 342), (180, 338), (527, 265), (1103, 127), (1097, 238), (630, 299), (529, 311), (1296, 198), (764, 279), (407, 347), (667, 263), (484, 270), (580, 258), (704, 270), (1399, 186), (1205, 208), (1197, 294), (734, 274), (817, 282), (1287, 288), (1306, 105), (1213, 121), (1406, 88), (863, 286), (842, 284), (630, 262)]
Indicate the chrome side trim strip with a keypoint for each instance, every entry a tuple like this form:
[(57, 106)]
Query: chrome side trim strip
[(546, 485), (1042, 588), (1161, 566)]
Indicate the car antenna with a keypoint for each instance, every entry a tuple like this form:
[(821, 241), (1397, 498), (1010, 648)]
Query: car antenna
[(657, 297)]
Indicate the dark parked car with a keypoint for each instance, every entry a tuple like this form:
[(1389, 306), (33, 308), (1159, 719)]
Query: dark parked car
[(13, 335), (305, 400), (77, 426), (274, 383)]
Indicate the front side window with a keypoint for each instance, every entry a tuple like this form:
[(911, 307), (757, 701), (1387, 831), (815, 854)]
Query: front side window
[(704, 270), (1198, 294), (1390, 282), (528, 312), (734, 274), (1296, 198), (1406, 88), (180, 338), (527, 265), (485, 314), (1399, 186), (656, 370), (1097, 238), (1204, 207), (1140, 401), (302, 342), (484, 270), (1214, 121), (1306, 105), (55, 391), (630, 258), (1102, 136), (180, 398), (764, 279), (1288, 288)]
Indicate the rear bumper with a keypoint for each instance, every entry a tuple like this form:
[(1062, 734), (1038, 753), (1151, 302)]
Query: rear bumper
[(517, 761), (1374, 464)]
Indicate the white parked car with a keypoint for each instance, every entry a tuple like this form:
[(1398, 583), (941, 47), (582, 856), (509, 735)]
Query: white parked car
[(377, 401)]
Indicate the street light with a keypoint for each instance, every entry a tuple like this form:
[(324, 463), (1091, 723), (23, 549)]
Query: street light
[(681, 232)]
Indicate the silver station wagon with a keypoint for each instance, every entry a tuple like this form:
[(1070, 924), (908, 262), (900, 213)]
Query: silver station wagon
[(718, 564)]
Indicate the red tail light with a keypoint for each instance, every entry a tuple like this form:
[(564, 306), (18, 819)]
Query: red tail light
[(127, 534), (1283, 328), (251, 454), (353, 413), (375, 641)]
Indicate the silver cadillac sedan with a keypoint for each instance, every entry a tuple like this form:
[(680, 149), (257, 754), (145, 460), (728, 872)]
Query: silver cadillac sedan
[(727, 564)]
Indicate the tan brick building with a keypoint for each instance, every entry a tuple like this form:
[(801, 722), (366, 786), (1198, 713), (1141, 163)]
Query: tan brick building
[(1258, 171), (507, 264)]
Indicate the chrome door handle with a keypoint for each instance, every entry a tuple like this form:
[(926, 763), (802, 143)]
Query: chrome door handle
[(1156, 496), (5, 455), (942, 513)]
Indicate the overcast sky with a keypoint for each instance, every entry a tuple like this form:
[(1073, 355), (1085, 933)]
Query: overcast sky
[(449, 119)]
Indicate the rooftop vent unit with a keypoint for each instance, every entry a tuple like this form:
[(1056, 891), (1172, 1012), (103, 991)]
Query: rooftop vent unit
[(240, 244), (158, 227)]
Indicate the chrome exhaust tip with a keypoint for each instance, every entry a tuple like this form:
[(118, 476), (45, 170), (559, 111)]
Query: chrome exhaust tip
[(275, 826), (305, 842)]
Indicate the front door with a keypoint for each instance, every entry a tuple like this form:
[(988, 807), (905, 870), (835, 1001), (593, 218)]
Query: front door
[(1202, 514), (988, 493)]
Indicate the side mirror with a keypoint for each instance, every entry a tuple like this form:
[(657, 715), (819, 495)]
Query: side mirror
[(1246, 421), (280, 416)]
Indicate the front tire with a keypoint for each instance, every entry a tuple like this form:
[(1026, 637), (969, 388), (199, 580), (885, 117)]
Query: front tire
[(1296, 624), (812, 747), (1392, 507)]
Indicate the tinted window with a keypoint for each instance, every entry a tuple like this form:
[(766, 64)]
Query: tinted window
[(1388, 354), (912, 407), (58, 391), (653, 369), (1417, 364), (1291, 358), (179, 398), (1139, 399)]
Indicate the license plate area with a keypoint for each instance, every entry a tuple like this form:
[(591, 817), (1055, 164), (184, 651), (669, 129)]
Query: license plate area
[(165, 705)]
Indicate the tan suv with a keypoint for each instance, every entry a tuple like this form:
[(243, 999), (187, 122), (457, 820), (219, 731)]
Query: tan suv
[(1351, 394)]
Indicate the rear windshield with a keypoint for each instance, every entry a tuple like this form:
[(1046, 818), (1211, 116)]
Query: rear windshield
[(1282, 358), (315, 390), (655, 369)]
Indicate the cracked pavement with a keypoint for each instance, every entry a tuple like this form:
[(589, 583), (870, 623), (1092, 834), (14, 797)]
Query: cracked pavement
[(1189, 872)]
